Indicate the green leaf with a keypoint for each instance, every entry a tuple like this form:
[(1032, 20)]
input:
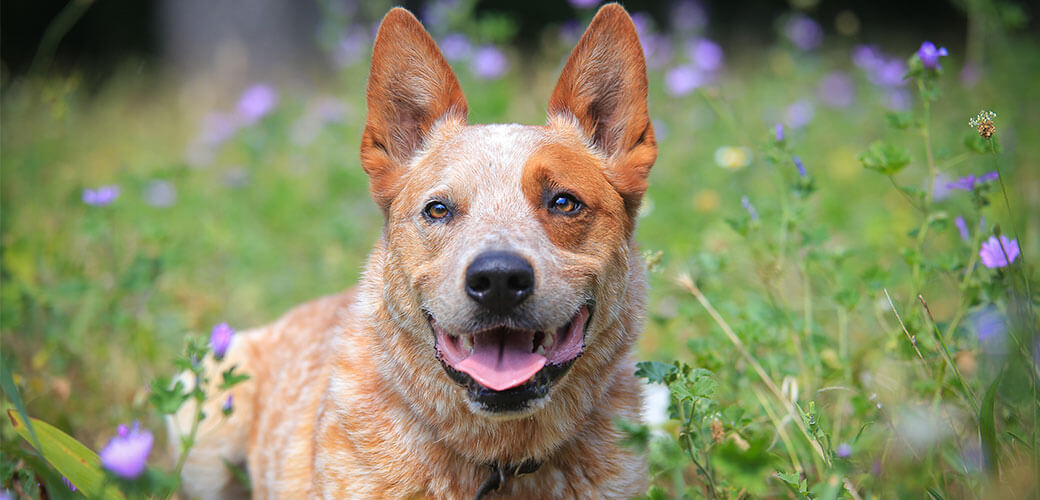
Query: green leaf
[(899, 120), (654, 371), (987, 426), (885, 158), (166, 398), (11, 391), (70, 457), (232, 379)]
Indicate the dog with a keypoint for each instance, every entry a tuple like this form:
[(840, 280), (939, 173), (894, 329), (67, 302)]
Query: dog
[(486, 351)]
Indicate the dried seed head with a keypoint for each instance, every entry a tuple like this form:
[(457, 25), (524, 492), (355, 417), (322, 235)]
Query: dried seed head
[(983, 123), (716, 430)]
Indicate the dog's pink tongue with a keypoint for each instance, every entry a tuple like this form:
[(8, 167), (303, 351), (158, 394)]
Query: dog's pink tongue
[(502, 360)]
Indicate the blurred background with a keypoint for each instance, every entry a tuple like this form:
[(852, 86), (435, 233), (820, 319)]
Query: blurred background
[(167, 165)]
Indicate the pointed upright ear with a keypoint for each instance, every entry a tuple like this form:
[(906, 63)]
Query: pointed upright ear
[(603, 86), (410, 88)]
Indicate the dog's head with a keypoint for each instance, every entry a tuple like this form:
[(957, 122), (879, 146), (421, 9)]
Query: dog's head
[(509, 244)]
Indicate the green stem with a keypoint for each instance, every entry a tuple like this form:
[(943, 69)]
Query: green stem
[(57, 30)]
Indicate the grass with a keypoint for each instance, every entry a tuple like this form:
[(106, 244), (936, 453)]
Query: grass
[(848, 313)]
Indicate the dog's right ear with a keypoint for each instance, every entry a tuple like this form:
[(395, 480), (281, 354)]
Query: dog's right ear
[(410, 87)]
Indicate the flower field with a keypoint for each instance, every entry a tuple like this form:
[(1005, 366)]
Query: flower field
[(841, 234)]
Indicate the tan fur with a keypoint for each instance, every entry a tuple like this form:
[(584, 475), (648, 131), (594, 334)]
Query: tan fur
[(347, 398)]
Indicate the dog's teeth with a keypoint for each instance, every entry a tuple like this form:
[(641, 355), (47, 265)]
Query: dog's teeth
[(549, 340), (467, 343), (540, 350)]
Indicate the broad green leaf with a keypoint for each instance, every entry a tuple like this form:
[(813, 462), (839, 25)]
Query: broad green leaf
[(885, 158), (70, 457), (653, 371)]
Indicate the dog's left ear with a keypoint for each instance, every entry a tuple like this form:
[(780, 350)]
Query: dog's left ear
[(604, 86), (410, 88)]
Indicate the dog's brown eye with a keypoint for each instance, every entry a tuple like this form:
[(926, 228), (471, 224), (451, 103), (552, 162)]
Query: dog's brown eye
[(437, 210), (565, 204)]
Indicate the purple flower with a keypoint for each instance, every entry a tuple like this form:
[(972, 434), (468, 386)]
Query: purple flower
[(867, 57), (217, 128), (657, 49), (970, 75), (746, 203), (962, 227), (706, 54), (126, 454), (779, 132), (970, 182), (228, 406), (799, 113), (101, 196), (256, 102), (898, 100), (837, 90), (929, 55), (992, 252), (584, 4), (844, 450), (489, 63), (351, 48), (939, 189), (456, 47), (989, 325), (220, 340), (801, 167), (688, 15), (68, 483), (803, 32), (682, 80), (160, 194), (644, 23)]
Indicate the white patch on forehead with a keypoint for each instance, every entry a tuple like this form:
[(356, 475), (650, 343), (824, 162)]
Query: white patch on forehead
[(484, 164)]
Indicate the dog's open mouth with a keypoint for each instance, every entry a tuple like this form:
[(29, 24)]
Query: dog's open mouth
[(502, 363)]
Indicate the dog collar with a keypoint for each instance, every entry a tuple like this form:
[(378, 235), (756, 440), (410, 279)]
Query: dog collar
[(499, 474)]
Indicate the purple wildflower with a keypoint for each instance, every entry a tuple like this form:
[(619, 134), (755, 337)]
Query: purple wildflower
[(706, 54), (939, 189), (217, 128), (688, 15), (799, 113), (456, 47), (584, 4), (657, 49), (970, 75), (68, 483), (844, 450), (867, 57), (682, 80), (993, 250), (101, 196), (220, 340), (644, 23), (837, 90), (127, 453), (779, 132), (898, 100), (228, 405), (989, 325), (489, 63), (7, 495), (256, 102), (160, 194), (801, 167), (970, 182), (929, 55), (803, 32), (962, 227), (351, 48), (746, 203)]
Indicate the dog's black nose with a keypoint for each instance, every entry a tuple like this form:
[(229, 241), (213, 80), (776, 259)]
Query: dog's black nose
[(499, 281)]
